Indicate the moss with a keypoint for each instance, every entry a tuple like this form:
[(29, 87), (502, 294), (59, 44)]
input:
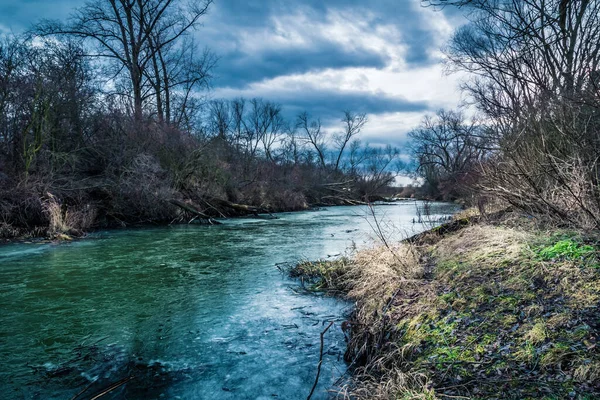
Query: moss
[(526, 353), (556, 354), (588, 371), (537, 334)]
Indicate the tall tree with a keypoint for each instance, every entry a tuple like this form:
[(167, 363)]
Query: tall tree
[(131, 33), (353, 123)]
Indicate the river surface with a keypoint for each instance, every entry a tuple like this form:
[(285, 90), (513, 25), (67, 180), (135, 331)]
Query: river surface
[(190, 311)]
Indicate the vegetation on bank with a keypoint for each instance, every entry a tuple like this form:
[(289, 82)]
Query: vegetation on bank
[(106, 119), (490, 309), (532, 73)]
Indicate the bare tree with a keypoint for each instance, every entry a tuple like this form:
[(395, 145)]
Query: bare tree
[(274, 128), (130, 33), (219, 118), (380, 168), (353, 123), (535, 65), (238, 125), (446, 147), (312, 133)]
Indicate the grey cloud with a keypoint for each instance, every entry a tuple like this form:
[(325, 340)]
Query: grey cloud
[(239, 70), (329, 105)]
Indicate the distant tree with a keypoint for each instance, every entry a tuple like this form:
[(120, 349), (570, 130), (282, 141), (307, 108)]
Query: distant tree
[(313, 135), (219, 118), (353, 123), (379, 168), (446, 147)]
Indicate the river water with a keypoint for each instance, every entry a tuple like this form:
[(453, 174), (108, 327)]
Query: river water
[(192, 312)]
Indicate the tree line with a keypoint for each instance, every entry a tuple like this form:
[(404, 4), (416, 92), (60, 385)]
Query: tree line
[(535, 83), (107, 117)]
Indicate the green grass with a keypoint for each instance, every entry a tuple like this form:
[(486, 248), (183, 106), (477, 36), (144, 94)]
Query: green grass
[(568, 249)]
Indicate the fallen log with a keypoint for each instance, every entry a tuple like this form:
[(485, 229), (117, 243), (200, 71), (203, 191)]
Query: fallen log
[(194, 210), (240, 207), (346, 201)]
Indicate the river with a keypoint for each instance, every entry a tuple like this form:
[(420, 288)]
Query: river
[(193, 312)]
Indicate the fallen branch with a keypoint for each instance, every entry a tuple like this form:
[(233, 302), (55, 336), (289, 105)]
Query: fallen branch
[(346, 201), (112, 387), (244, 208), (320, 361), (82, 391), (194, 210)]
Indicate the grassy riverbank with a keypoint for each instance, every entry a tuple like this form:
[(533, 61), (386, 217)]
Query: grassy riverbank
[(485, 310)]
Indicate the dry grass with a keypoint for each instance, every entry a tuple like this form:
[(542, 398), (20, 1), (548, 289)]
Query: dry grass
[(7, 231), (466, 313), (394, 385), (63, 221), (58, 221)]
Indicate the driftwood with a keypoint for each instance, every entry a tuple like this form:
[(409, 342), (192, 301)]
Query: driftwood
[(240, 207), (194, 210), (112, 387), (345, 201)]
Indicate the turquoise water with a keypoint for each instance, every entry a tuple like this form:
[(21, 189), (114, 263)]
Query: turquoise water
[(191, 312)]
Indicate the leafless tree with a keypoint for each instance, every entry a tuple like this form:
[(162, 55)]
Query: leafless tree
[(273, 128), (356, 157), (219, 118), (353, 123), (238, 124), (131, 33), (447, 146), (536, 65), (312, 134), (380, 168)]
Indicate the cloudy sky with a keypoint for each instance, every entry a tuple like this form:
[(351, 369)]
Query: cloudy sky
[(381, 57)]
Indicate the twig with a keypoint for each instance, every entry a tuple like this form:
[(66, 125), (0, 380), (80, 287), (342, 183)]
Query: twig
[(112, 387), (320, 361), (82, 391)]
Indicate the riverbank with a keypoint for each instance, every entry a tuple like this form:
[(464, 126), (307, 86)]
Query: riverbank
[(481, 308), (66, 223)]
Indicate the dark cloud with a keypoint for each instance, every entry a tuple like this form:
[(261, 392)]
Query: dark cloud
[(329, 105), (230, 20), (239, 70)]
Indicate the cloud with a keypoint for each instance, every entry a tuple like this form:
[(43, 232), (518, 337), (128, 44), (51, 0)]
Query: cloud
[(20, 15), (380, 93), (240, 70), (381, 58), (323, 97), (272, 40)]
